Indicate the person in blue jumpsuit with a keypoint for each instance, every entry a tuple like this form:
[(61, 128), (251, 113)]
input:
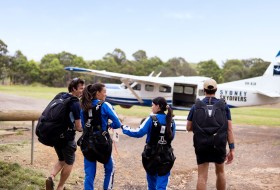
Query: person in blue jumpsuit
[(92, 94), (159, 105)]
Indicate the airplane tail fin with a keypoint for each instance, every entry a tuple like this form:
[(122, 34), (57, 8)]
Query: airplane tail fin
[(278, 55), (269, 83), (274, 68)]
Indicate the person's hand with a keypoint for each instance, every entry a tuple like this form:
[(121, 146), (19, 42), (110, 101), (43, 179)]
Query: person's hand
[(78, 129), (229, 157), (123, 126)]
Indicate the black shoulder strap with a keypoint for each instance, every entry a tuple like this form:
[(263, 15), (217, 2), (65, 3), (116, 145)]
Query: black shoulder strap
[(221, 103), (155, 120), (199, 103), (95, 113), (59, 95)]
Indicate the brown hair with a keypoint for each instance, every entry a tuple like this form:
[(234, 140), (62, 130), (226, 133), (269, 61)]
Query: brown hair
[(210, 91), (163, 107), (89, 94), (75, 83)]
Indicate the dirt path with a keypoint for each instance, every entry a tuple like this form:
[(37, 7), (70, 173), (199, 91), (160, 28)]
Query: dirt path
[(256, 165)]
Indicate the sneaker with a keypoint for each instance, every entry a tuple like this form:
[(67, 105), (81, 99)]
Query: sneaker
[(49, 184)]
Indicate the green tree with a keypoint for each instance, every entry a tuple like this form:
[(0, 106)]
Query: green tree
[(209, 69), (4, 61), (233, 70), (22, 71), (177, 67), (67, 59), (34, 72), (118, 55), (108, 64), (52, 73), (51, 63), (18, 69), (140, 55), (256, 67)]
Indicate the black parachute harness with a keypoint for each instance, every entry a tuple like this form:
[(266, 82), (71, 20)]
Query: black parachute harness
[(158, 157), (210, 126), (95, 143)]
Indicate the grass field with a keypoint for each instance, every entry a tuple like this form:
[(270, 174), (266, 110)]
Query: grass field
[(257, 116), (32, 91), (13, 176)]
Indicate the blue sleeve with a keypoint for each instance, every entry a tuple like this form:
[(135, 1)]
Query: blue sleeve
[(108, 112), (228, 113), (173, 129), (139, 132), (82, 118), (75, 109), (190, 116)]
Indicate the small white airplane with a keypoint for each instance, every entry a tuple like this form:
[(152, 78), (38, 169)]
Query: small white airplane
[(181, 92)]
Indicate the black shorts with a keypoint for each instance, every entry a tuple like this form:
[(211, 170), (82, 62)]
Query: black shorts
[(210, 155), (67, 153)]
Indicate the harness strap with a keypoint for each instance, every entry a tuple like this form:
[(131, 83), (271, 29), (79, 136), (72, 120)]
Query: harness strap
[(90, 116), (162, 130)]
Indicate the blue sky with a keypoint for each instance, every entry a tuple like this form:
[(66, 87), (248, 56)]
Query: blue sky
[(196, 30)]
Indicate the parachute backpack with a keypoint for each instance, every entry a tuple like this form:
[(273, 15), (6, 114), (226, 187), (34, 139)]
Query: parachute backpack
[(95, 143), (158, 157), (210, 126), (55, 120)]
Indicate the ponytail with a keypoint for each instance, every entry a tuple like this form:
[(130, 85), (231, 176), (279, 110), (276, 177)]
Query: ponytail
[(87, 97), (169, 116), (89, 93), (163, 107)]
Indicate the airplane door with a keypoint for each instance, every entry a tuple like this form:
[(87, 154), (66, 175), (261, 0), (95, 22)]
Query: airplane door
[(184, 95)]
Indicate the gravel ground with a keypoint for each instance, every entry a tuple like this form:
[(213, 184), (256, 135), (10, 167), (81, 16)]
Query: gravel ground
[(256, 165)]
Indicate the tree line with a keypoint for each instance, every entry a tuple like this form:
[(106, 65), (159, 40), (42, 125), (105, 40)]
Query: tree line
[(50, 71)]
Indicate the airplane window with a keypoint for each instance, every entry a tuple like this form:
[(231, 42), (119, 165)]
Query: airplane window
[(149, 87), (137, 87), (164, 89), (188, 90), (201, 92), (178, 89)]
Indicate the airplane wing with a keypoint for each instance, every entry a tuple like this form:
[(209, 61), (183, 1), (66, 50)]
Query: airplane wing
[(269, 94), (122, 77)]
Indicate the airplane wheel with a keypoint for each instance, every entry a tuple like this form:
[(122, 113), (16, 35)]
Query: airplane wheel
[(126, 106)]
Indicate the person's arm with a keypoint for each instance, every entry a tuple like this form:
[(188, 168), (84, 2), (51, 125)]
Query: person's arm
[(76, 109), (140, 131), (112, 115), (230, 155), (78, 125), (189, 125), (189, 119)]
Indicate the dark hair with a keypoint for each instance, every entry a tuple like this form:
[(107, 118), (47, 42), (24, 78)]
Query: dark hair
[(163, 107), (75, 83), (210, 91), (89, 93)]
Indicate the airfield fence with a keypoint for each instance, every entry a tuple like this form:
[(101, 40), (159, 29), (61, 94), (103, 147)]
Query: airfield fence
[(22, 115)]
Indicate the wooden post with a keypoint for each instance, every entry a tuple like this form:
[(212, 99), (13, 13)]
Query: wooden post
[(19, 115), (22, 115), (32, 142)]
